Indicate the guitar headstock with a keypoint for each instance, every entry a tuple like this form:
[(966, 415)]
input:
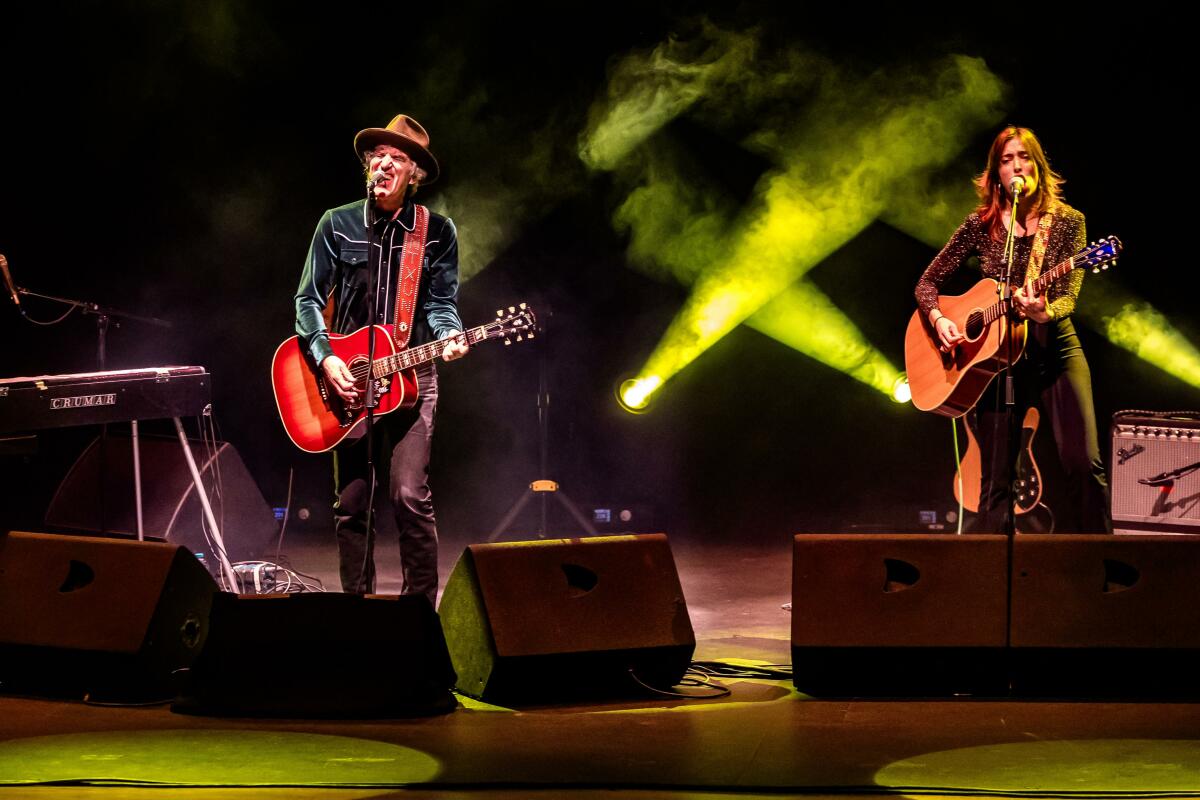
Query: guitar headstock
[(1099, 255), (519, 323)]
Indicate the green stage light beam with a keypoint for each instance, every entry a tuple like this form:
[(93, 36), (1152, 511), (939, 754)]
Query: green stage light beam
[(1078, 768), (1136, 326), (805, 319), (647, 89), (212, 758), (832, 179)]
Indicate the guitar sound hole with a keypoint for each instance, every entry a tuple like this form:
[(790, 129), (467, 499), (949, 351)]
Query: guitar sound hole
[(973, 328), (358, 368)]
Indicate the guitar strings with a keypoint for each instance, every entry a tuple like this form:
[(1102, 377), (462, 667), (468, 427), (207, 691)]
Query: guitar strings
[(423, 352), (1042, 282)]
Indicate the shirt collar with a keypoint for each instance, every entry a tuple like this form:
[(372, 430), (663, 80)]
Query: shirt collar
[(406, 219)]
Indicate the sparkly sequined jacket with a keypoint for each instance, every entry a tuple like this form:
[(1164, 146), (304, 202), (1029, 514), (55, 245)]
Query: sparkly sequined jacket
[(1068, 235)]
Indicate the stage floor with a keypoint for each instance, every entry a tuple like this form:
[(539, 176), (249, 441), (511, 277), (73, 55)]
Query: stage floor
[(763, 740)]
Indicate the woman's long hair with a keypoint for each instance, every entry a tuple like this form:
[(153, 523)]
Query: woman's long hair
[(992, 194)]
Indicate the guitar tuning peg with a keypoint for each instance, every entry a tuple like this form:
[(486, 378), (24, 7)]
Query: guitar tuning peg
[(507, 341), (519, 337), (512, 310), (499, 312), (521, 306), (529, 335)]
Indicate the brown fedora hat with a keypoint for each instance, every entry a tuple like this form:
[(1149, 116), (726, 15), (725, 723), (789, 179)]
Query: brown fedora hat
[(403, 133)]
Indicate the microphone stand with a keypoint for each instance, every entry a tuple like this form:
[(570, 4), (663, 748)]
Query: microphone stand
[(370, 401), (1006, 300), (105, 316), (1009, 415)]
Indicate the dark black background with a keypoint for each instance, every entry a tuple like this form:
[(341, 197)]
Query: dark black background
[(172, 159)]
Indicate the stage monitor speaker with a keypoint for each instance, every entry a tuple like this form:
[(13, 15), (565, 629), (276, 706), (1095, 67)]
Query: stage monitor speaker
[(905, 614), (321, 655), (97, 494), (105, 617), (1156, 473), (1106, 615), (567, 618)]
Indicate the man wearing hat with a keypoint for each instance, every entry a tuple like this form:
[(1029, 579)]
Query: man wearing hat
[(410, 256)]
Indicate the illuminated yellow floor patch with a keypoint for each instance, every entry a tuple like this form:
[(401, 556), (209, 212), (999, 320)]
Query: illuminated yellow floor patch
[(1103, 765), (213, 758)]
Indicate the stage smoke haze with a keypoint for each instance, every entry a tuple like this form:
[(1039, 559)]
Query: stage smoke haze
[(839, 147)]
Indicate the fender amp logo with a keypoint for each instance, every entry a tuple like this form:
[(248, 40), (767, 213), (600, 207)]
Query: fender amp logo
[(1124, 455), (83, 401)]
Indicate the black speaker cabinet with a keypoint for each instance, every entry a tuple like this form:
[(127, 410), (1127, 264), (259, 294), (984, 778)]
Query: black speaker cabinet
[(899, 614), (323, 654), (548, 620), (1108, 615), (105, 617), (1155, 473), (97, 494)]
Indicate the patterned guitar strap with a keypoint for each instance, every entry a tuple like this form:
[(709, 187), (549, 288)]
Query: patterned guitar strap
[(1037, 253), (412, 258)]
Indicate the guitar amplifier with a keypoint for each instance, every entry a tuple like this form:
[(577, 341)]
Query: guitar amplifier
[(1156, 472)]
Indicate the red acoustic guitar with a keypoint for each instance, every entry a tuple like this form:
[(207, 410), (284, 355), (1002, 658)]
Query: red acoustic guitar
[(951, 383), (315, 417)]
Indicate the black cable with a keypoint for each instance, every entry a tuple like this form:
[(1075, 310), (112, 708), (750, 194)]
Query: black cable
[(1050, 511), (287, 507), (65, 314), (268, 578), (774, 672), (722, 690), (1137, 412)]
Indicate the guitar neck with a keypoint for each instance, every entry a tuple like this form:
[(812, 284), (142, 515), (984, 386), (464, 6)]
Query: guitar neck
[(423, 354), (1043, 282), (999, 308)]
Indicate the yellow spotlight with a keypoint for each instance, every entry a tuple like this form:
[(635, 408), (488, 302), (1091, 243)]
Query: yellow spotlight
[(1146, 332), (901, 391), (634, 394), (805, 319), (1135, 325)]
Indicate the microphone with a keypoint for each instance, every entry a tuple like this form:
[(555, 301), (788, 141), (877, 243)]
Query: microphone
[(8, 281), (1017, 186), (376, 179)]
